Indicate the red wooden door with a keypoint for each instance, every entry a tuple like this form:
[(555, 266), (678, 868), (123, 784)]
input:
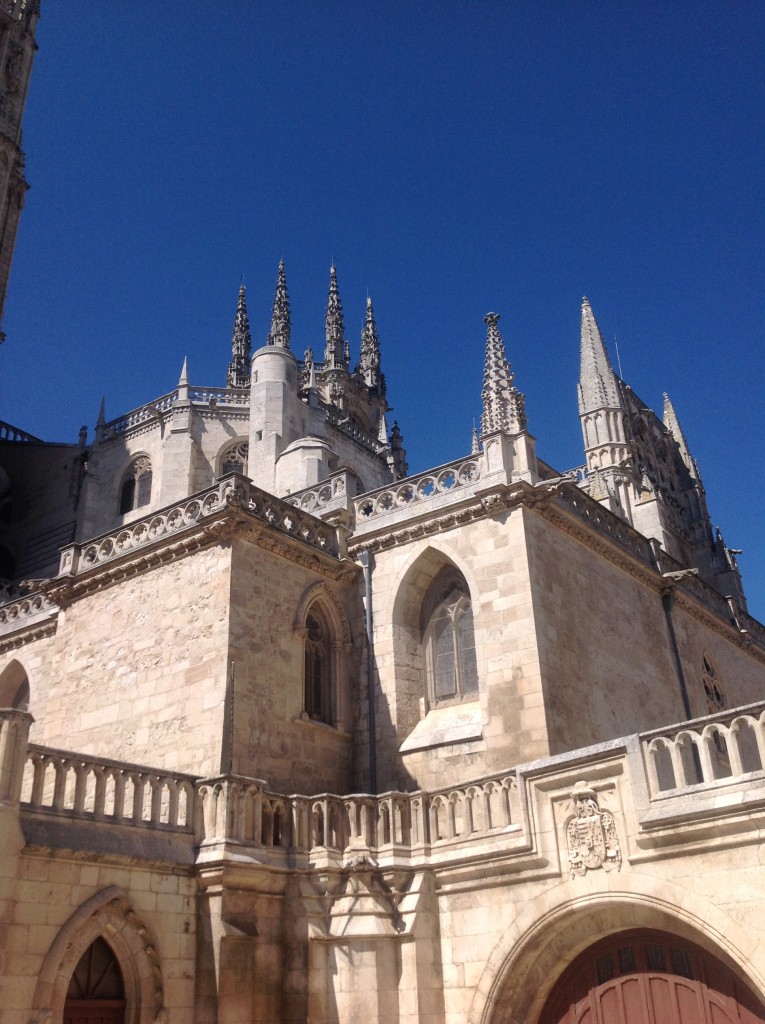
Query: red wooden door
[(650, 978)]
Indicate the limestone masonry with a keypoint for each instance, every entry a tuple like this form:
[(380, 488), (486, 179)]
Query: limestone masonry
[(288, 735)]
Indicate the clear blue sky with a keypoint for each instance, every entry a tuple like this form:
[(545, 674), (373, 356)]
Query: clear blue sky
[(452, 157)]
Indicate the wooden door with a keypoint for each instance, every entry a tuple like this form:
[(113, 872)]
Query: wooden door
[(650, 978), (96, 992)]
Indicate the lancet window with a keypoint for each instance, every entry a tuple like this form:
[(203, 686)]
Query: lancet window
[(96, 990), (135, 491), (318, 662), (449, 640)]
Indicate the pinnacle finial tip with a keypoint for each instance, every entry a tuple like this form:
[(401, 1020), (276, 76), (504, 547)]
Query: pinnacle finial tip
[(492, 319)]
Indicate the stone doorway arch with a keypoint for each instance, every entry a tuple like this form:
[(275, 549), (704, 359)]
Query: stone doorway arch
[(642, 976), (110, 916)]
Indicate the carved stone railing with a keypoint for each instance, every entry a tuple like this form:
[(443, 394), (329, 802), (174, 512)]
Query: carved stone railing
[(334, 492), (11, 433), (448, 479), (25, 611), (71, 784), (606, 523), (232, 808), (232, 490), (137, 417), (340, 422), (213, 397), (706, 751)]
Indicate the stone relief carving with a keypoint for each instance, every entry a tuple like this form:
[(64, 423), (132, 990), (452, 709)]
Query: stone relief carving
[(591, 834)]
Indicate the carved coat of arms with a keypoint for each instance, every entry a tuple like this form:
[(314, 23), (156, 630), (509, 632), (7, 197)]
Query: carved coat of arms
[(591, 834)]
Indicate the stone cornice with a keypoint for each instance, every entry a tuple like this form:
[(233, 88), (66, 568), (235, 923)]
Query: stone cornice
[(27, 634)]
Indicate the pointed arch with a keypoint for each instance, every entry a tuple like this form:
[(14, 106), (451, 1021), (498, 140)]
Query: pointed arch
[(332, 606), (14, 687), (324, 632), (135, 485), (434, 635), (107, 915), (233, 458)]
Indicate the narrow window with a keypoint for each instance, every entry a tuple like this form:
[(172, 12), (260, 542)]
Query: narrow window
[(449, 640), (135, 491), (318, 667)]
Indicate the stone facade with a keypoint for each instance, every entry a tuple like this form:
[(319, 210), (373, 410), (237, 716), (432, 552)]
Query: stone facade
[(289, 735)]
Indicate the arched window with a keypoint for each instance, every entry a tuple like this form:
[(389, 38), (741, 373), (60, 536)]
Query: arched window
[(234, 459), (96, 990), (318, 672), (449, 640), (135, 491)]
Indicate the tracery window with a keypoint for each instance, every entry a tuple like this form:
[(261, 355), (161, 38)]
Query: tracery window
[(318, 672), (135, 491), (449, 640), (234, 459), (713, 688)]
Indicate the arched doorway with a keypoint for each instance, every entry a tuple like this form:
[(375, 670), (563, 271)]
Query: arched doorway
[(650, 977), (96, 993)]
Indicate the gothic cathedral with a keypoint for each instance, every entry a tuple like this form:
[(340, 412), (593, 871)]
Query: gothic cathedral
[(289, 735)]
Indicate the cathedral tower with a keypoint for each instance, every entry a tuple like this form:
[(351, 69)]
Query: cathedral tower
[(18, 19)]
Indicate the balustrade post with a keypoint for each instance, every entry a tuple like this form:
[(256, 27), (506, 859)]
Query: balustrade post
[(14, 737)]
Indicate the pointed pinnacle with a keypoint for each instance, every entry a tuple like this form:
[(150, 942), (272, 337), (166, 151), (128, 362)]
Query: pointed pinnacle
[(503, 403), (281, 325), (102, 411), (672, 424), (238, 374), (369, 362), (184, 377), (334, 351), (597, 380)]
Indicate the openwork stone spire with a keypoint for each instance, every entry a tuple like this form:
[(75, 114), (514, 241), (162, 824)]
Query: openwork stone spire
[(279, 334), (672, 424), (369, 363), (335, 348), (597, 381), (503, 404), (238, 375)]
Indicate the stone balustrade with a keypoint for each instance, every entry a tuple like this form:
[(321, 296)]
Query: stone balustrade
[(25, 611), (102, 790), (333, 493), (706, 751), (220, 396), (11, 433), (136, 418), (604, 522), (446, 479), (231, 491), (712, 762)]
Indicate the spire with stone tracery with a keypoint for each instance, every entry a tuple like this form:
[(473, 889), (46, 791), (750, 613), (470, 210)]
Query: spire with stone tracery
[(335, 348), (597, 381), (369, 362), (503, 403), (279, 334), (238, 375)]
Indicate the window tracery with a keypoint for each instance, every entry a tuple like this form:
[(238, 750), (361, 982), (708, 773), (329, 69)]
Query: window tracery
[(135, 491), (318, 667), (713, 687), (449, 640), (234, 458)]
